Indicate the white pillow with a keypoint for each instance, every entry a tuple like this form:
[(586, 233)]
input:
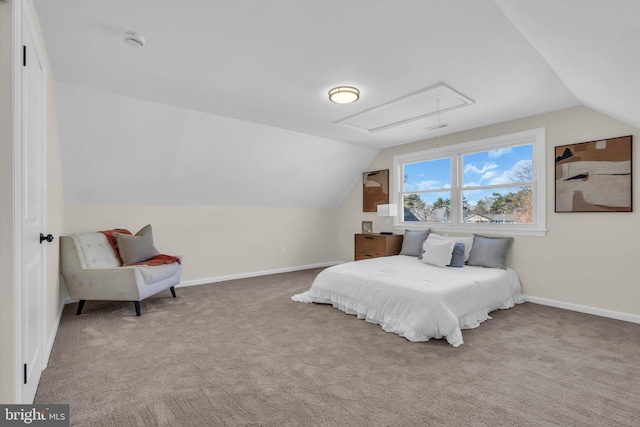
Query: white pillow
[(437, 252), (466, 240)]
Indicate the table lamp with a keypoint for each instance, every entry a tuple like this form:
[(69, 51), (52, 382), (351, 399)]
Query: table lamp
[(387, 211)]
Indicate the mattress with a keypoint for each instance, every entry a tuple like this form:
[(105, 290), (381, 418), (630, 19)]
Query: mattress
[(413, 299)]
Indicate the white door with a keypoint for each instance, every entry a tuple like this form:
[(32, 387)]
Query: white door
[(31, 215)]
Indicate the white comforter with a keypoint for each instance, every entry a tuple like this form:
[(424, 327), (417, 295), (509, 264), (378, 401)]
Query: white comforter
[(413, 299)]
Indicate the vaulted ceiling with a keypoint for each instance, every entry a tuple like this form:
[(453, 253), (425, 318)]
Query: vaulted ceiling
[(271, 63)]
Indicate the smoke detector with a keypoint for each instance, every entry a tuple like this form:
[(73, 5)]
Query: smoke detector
[(134, 39)]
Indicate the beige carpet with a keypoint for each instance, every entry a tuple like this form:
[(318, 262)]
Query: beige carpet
[(241, 353)]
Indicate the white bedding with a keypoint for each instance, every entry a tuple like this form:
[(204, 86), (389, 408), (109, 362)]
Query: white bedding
[(413, 299)]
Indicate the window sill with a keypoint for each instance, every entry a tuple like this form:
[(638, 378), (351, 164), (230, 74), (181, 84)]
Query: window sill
[(502, 230)]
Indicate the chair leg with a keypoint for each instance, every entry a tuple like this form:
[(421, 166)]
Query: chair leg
[(137, 304), (173, 291), (80, 306)]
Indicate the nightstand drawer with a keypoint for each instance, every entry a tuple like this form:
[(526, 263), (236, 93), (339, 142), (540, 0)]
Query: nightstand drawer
[(377, 245), (366, 255), (371, 243)]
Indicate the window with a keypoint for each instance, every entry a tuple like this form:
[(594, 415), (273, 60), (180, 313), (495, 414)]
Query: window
[(427, 190), (494, 185)]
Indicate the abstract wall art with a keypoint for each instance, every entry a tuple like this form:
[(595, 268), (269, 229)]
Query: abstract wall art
[(594, 176), (375, 190)]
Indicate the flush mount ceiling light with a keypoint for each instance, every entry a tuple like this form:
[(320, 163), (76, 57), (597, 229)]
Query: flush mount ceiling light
[(134, 39), (344, 94)]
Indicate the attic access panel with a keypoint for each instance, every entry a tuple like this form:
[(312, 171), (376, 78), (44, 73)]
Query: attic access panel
[(419, 105)]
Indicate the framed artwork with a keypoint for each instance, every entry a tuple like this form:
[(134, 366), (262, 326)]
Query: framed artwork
[(367, 226), (375, 190), (594, 176)]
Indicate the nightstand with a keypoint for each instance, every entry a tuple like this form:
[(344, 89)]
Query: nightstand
[(377, 245)]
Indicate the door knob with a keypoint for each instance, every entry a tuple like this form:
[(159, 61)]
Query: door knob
[(48, 238)]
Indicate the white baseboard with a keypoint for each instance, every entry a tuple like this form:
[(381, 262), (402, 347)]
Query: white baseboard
[(53, 333), (627, 317), (196, 282), (255, 274)]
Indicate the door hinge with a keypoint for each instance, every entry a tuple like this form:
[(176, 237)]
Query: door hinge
[(25, 373), (24, 55)]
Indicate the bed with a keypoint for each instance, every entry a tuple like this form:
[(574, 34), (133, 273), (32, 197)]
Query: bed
[(413, 299)]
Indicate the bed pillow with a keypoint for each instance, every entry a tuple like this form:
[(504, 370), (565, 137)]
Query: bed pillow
[(136, 248), (437, 252), (490, 251), (457, 256), (412, 242), (467, 241)]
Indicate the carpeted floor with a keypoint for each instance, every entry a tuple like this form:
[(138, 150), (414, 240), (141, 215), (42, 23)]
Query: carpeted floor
[(241, 353)]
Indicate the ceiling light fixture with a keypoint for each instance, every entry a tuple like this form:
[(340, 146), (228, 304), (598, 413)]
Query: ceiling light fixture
[(134, 39), (344, 95)]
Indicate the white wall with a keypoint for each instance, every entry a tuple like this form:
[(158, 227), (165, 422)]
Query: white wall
[(585, 259), (218, 242), (55, 294)]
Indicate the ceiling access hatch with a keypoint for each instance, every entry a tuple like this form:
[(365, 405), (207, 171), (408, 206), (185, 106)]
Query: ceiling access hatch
[(418, 105)]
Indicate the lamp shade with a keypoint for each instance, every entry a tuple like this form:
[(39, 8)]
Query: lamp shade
[(387, 210)]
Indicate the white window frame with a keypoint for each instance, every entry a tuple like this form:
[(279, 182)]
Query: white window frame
[(535, 137)]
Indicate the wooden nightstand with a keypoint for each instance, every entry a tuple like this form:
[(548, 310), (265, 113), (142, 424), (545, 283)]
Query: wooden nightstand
[(377, 245)]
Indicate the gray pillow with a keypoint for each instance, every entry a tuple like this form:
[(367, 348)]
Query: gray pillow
[(490, 251), (412, 242), (136, 248), (457, 256)]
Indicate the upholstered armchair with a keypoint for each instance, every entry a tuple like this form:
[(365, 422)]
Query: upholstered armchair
[(92, 267)]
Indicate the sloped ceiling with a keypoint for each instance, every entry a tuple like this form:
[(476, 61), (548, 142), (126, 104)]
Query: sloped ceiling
[(266, 66), (121, 150), (591, 45)]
